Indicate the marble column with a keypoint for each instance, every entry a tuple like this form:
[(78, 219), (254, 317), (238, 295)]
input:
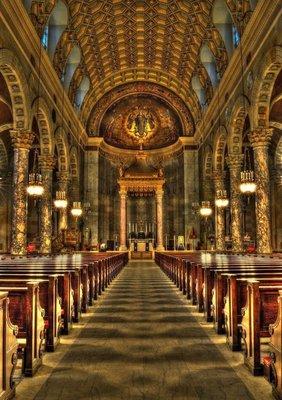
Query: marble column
[(260, 139), (46, 164), (91, 194), (123, 223), (21, 141), (191, 191), (234, 162), (63, 178), (219, 212), (159, 204)]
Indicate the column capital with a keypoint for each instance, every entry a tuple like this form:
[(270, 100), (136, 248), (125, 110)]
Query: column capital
[(46, 162), (159, 192), (234, 161), (123, 193), (63, 176), (21, 139), (260, 137), (218, 175)]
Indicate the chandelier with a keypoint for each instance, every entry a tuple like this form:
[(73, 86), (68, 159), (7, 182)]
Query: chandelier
[(76, 210), (205, 209), (35, 186), (221, 200), (248, 185), (60, 200)]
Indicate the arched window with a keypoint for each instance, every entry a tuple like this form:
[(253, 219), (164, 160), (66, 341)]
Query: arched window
[(71, 65), (222, 20), (27, 5), (208, 60), (81, 91), (54, 28), (199, 90)]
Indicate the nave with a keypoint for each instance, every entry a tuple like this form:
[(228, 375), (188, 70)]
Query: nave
[(142, 340)]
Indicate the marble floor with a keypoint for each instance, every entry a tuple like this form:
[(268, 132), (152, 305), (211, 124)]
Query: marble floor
[(143, 341)]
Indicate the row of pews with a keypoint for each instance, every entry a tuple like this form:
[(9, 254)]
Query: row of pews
[(242, 296), (40, 299)]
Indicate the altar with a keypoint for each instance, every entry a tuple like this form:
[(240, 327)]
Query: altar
[(141, 208)]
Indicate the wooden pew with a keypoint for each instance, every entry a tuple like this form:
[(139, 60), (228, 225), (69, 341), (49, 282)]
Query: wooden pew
[(25, 312), (273, 361), (64, 289), (260, 312), (8, 350), (50, 301)]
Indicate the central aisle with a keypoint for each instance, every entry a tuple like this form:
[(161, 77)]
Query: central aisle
[(143, 343)]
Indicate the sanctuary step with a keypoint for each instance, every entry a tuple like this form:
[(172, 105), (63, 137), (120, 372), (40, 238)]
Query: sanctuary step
[(141, 255)]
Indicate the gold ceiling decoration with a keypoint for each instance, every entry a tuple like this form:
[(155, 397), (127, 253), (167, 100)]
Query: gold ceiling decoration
[(140, 121), (124, 41)]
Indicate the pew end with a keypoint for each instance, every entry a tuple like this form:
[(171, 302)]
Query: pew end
[(275, 354), (8, 350)]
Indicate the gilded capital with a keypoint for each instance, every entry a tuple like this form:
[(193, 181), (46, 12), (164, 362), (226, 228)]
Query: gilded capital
[(234, 161), (123, 193), (260, 137), (46, 162), (63, 176), (21, 139), (218, 175), (159, 193)]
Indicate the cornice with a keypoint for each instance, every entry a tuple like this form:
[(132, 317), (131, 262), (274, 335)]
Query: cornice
[(257, 31), (21, 29), (163, 152)]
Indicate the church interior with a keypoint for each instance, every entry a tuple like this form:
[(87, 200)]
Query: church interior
[(140, 183)]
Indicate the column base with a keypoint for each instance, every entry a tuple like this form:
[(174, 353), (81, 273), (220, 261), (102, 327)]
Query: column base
[(160, 247), (123, 248)]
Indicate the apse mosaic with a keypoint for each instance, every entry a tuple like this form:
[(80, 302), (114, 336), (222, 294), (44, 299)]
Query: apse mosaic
[(140, 121)]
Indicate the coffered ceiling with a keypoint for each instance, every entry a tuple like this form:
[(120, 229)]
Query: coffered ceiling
[(123, 41)]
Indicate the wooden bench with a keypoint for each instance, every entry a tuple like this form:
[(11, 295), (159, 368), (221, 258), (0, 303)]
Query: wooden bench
[(8, 349), (25, 312), (50, 301), (260, 312)]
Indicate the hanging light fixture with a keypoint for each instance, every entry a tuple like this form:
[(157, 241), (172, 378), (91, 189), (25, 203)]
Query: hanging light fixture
[(221, 200), (76, 210), (248, 185), (205, 209), (60, 200), (35, 186)]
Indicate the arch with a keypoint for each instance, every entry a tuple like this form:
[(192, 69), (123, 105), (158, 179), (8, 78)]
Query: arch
[(74, 165), (208, 164), (55, 27), (263, 87), (73, 62), (209, 62), (16, 82), (41, 113), (278, 155), (3, 156), (220, 143), (207, 188), (239, 113), (62, 149)]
